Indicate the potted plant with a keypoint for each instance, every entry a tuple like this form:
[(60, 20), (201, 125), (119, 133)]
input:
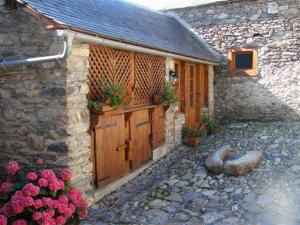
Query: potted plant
[(117, 95), (191, 136), (34, 194), (170, 95), (212, 125), (157, 99)]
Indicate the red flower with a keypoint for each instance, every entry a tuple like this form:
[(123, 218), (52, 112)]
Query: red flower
[(12, 168), (19, 222), (126, 99), (182, 98), (31, 176), (3, 220), (39, 161), (116, 93), (129, 86), (65, 175), (136, 101), (107, 101), (31, 190)]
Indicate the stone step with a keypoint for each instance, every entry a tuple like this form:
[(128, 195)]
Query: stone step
[(243, 165), (214, 162)]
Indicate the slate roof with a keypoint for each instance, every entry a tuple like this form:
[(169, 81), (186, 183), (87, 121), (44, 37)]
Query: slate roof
[(126, 22)]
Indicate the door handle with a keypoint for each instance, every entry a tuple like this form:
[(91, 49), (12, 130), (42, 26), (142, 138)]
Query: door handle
[(121, 147)]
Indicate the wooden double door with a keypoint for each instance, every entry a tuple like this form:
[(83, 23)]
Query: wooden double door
[(124, 142)]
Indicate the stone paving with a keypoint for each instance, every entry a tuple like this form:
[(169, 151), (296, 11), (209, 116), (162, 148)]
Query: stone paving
[(178, 189)]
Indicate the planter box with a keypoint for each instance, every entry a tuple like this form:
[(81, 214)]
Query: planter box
[(191, 141), (108, 111)]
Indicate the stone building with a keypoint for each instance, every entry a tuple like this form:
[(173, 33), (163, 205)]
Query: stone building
[(259, 41), (53, 53)]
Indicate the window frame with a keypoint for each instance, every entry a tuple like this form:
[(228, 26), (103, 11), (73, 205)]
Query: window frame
[(242, 72)]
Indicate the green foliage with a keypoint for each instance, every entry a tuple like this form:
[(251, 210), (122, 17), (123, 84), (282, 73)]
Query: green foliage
[(96, 105), (117, 95), (193, 132), (213, 126), (170, 95)]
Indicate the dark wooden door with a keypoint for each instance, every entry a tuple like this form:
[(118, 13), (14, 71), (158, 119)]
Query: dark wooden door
[(158, 127), (139, 144), (110, 149)]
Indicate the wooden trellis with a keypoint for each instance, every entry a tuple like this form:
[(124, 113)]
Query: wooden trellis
[(146, 72)]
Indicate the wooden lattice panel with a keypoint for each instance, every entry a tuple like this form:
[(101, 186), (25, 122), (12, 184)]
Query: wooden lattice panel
[(149, 76), (143, 78), (146, 72), (110, 65), (157, 74)]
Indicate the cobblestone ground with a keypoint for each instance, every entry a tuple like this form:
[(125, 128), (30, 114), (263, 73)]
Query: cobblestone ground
[(178, 190)]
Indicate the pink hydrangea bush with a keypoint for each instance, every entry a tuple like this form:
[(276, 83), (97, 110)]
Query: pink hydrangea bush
[(34, 194)]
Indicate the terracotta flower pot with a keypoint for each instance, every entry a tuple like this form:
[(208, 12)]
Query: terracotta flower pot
[(192, 141), (157, 99)]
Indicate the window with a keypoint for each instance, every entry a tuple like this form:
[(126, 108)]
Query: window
[(243, 62)]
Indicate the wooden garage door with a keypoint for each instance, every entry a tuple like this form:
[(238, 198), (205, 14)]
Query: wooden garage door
[(140, 130), (110, 149)]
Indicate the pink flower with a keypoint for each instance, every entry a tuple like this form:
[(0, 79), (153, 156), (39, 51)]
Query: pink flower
[(28, 201), (19, 222), (49, 175), (37, 216), (37, 204), (83, 213), (31, 176), (5, 187), (83, 203), (43, 182), (51, 212), (60, 220), (17, 202), (39, 161), (31, 190), (7, 209), (65, 175), (56, 185), (63, 199), (48, 202), (3, 220), (12, 168)]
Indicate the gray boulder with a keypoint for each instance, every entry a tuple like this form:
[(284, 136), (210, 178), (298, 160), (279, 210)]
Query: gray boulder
[(243, 165), (215, 160)]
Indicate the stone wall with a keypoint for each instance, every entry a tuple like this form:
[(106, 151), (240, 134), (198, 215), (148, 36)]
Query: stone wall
[(273, 27), (43, 111)]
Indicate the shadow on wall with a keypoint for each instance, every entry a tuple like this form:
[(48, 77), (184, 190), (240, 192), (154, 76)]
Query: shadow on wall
[(273, 95)]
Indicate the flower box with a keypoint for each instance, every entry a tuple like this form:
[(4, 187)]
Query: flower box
[(108, 111), (192, 141)]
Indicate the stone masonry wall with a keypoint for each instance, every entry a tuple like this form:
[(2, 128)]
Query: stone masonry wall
[(43, 111), (273, 27)]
